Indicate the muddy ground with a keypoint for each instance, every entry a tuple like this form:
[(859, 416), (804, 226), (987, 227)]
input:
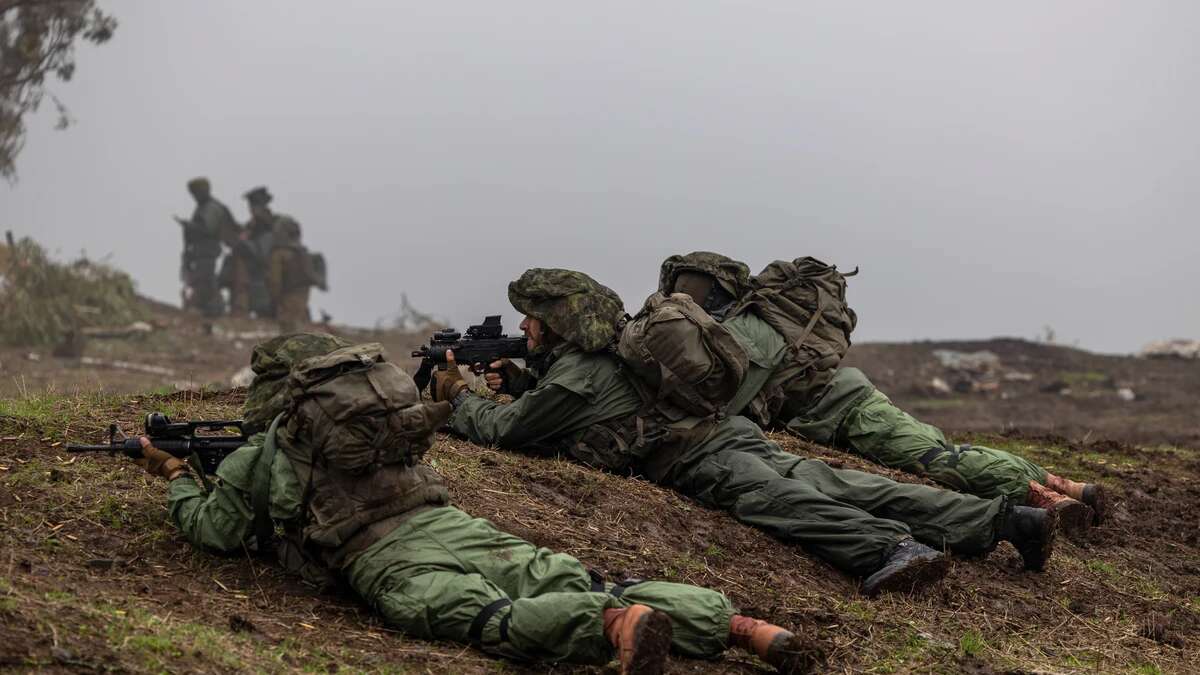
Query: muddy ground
[(94, 578)]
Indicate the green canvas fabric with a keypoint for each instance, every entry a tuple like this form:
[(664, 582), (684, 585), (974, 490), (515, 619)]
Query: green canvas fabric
[(732, 275), (574, 305), (431, 575), (272, 362), (852, 414), (577, 390), (849, 518)]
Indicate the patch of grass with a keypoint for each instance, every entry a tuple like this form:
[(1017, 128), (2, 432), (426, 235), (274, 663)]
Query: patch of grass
[(34, 409), (972, 643), (906, 646), (1077, 380), (1146, 669), (1101, 567)]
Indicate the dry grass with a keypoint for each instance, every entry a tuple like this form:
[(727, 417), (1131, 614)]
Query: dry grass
[(93, 576)]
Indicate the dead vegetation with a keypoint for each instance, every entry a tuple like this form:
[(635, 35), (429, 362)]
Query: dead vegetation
[(94, 578), (43, 301)]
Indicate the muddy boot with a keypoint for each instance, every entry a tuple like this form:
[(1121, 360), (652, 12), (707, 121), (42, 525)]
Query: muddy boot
[(1074, 517), (1031, 531), (641, 636), (780, 648), (1091, 494), (911, 565)]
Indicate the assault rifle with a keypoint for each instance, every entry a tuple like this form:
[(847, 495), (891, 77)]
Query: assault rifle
[(178, 438), (479, 347)]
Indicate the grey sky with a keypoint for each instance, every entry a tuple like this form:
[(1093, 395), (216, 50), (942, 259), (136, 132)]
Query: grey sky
[(991, 167)]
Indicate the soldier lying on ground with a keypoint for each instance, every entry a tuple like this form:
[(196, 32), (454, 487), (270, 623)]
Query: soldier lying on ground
[(338, 468), (800, 388), (576, 398)]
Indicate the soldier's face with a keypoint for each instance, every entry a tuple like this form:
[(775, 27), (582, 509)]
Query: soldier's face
[(533, 332)]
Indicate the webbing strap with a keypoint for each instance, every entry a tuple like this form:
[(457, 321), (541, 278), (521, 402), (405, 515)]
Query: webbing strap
[(930, 455), (260, 491), (935, 452), (475, 634)]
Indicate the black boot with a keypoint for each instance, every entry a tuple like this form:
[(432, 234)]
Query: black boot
[(911, 565), (1031, 531)]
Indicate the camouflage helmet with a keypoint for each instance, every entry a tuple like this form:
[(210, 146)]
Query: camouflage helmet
[(574, 305), (199, 186), (259, 195), (271, 362), (732, 275)]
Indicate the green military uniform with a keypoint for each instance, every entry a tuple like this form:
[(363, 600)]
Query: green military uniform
[(210, 225), (582, 403), (431, 570), (287, 276), (848, 412)]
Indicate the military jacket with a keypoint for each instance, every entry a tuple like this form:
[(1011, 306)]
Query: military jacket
[(211, 224), (223, 519), (576, 390)]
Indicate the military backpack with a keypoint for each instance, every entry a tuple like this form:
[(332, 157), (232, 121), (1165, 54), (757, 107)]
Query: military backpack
[(805, 300), (690, 363)]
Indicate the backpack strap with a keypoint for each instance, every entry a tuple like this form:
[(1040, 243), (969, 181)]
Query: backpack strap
[(260, 491)]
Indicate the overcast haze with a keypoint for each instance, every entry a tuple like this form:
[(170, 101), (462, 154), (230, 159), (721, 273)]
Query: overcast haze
[(992, 168)]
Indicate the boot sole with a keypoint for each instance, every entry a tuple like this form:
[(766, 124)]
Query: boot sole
[(1097, 499), (1074, 518), (794, 656), (652, 642), (1045, 548), (918, 573)]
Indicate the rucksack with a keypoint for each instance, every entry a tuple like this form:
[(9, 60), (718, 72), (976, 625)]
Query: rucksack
[(690, 363), (805, 300), (359, 408), (315, 271)]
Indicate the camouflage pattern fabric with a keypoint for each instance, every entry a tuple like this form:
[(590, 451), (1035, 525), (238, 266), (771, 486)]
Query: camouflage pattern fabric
[(574, 305), (271, 362), (732, 275)]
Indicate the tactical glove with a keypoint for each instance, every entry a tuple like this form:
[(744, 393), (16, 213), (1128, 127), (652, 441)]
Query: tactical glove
[(447, 383), (160, 463)]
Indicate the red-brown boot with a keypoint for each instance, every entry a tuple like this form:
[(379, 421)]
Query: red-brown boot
[(1091, 494), (779, 647), (641, 636), (1074, 517)]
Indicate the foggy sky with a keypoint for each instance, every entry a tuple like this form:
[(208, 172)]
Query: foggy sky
[(992, 168)]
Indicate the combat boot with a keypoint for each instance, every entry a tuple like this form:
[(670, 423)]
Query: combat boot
[(1074, 517), (911, 565), (782, 649), (1092, 494), (1031, 531), (641, 636)]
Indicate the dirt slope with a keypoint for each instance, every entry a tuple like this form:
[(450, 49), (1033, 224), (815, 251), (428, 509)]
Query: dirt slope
[(94, 578)]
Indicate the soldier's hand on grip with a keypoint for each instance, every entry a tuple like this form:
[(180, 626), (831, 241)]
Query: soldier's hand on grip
[(447, 383), (159, 462)]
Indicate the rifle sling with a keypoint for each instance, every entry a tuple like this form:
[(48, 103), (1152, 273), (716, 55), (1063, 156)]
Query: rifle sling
[(198, 466), (260, 492)]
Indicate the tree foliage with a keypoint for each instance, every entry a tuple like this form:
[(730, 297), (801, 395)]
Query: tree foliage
[(37, 44)]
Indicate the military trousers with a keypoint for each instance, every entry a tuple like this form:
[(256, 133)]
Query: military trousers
[(291, 308), (851, 519), (853, 415), (443, 575), (201, 273)]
